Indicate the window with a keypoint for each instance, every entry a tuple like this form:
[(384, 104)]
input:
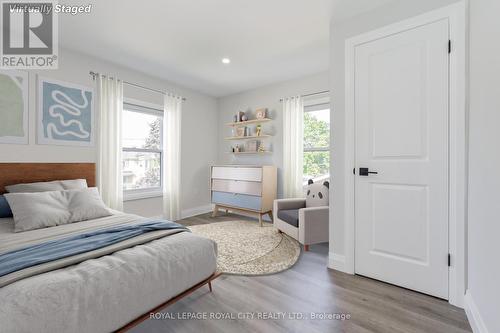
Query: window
[(142, 151), (316, 142)]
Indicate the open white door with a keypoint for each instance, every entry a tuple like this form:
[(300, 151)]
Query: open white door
[(401, 117)]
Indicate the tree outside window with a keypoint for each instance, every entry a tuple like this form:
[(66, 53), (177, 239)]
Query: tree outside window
[(142, 150), (316, 144)]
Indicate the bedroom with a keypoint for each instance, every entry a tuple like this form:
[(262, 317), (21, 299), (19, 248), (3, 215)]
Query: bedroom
[(235, 120)]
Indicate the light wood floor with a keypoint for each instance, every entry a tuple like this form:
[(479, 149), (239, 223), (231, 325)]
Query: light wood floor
[(308, 287)]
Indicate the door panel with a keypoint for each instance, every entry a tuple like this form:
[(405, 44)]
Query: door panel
[(392, 105), (401, 114), (412, 241)]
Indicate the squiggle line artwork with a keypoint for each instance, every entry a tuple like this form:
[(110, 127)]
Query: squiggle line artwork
[(72, 108)]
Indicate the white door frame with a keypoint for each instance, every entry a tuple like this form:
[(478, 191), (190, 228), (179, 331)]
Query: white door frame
[(456, 14)]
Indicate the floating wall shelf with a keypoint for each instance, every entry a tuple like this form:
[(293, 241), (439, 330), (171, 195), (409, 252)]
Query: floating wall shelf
[(263, 136), (253, 121), (251, 152)]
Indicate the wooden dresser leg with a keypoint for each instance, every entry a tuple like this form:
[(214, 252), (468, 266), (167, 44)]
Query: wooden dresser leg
[(260, 219), (271, 216), (306, 247), (216, 208), (210, 286)]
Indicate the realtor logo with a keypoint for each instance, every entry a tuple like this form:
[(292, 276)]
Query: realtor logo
[(29, 35)]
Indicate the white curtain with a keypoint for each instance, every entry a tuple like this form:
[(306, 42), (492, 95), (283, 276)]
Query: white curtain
[(109, 166), (172, 157), (293, 146)]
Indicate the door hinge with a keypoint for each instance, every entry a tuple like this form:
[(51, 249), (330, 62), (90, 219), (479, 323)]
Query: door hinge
[(449, 260), (449, 45)]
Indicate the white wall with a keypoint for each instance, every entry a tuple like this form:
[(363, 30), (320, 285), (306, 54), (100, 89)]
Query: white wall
[(267, 96), (483, 293), (199, 144), (393, 12)]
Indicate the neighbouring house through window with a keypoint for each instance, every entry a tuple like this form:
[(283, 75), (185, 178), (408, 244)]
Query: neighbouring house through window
[(316, 141), (142, 151)]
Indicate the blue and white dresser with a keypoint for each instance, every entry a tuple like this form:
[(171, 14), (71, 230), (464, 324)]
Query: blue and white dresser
[(244, 188)]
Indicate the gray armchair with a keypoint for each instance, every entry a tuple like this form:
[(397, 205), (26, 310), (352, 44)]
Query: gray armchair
[(308, 225)]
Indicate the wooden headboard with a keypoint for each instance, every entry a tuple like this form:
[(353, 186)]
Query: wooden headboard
[(17, 173)]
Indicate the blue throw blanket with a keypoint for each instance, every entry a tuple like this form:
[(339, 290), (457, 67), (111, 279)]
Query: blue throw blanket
[(65, 247)]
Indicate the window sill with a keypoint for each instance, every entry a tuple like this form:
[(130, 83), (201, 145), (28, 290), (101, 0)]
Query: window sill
[(133, 195)]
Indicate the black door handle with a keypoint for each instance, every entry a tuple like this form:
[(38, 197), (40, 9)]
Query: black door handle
[(366, 172)]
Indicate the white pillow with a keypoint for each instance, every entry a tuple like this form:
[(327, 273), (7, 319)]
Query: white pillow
[(38, 210), (317, 194), (86, 204), (48, 209), (56, 185), (74, 184)]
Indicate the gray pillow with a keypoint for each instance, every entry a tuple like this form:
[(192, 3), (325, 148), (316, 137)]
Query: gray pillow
[(52, 208), (86, 204), (56, 185), (38, 210), (317, 194), (74, 184)]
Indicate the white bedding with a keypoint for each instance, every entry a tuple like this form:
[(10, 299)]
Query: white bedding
[(104, 294)]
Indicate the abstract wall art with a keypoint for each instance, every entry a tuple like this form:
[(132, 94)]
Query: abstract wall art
[(65, 113), (14, 108)]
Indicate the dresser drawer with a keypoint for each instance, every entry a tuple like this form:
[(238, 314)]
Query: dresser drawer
[(248, 174), (237, 186), (237, 200)]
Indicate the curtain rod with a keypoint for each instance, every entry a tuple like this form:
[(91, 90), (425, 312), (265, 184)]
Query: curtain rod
[(94, 74), (312, 94)]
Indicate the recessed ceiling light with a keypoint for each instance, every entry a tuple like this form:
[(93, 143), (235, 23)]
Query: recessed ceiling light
[(226, 60)]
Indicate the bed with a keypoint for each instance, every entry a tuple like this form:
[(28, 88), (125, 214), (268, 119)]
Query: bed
[(107, 291)]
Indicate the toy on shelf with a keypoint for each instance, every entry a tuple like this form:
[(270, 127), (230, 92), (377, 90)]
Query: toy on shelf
[(258, 130)]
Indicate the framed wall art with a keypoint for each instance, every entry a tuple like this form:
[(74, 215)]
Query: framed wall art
[(65, 113), (14, 107)]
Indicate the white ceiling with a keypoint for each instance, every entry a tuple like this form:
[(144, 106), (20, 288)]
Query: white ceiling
[(346, 9), (183, 41)]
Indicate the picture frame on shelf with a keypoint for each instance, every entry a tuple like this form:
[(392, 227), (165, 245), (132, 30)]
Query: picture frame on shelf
[(261, 113), (252, 146), (240, 131)]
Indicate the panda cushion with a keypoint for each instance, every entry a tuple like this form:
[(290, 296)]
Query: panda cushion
[(317, 194)]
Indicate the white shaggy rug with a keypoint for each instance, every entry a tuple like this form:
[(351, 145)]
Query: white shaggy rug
[(245, 248)]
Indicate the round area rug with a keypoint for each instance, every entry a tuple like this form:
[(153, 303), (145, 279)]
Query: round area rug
[(245, 248)]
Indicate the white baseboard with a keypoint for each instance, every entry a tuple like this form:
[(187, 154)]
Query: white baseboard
[(473, 314), (196, 211), (336, 261)]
